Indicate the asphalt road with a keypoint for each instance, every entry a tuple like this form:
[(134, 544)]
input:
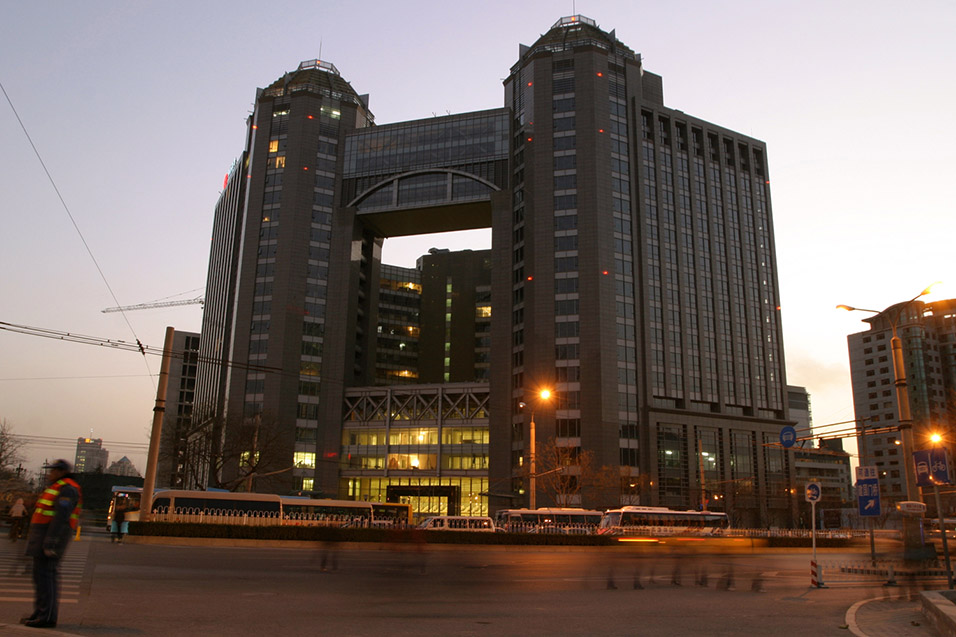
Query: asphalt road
[(137, 589)]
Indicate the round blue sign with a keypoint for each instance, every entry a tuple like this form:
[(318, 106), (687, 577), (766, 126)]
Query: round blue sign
[(788, 436)]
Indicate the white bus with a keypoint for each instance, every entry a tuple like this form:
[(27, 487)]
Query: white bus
[(458, 523), (639, 520), (263, 509), (548, 520), (297, 511)]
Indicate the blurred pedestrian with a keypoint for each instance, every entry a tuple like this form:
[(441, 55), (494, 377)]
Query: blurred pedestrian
[(18, 512), (119, 519), (55, 520)]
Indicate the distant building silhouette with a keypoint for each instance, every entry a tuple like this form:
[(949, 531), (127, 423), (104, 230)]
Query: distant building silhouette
[(91, 457), (123, 467)]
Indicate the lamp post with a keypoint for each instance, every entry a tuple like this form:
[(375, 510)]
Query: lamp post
[(544, 394), (912, 538), (936, 438)]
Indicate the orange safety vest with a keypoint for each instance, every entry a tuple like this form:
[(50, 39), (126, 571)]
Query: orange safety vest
[(44, 512)]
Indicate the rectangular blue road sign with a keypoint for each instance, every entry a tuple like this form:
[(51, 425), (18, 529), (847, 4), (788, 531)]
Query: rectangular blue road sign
[(868, 491), (932, 467)]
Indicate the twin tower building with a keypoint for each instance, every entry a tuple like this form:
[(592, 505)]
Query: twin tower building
[(632, 275)]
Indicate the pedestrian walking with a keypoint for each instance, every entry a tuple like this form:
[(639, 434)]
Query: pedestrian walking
[(117, 526), (54, 521), (18, 512)]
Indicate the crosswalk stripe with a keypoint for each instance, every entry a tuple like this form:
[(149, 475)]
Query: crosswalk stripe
[(30, 600)]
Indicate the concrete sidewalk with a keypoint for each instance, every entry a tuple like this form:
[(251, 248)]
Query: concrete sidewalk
[(899, 616)]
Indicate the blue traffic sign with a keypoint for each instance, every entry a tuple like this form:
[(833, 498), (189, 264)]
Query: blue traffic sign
[(932, 467), (813, 492), (868, 491), (788, 436)]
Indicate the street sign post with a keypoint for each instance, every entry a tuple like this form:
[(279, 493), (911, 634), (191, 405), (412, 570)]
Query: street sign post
[(813, 494), (933, 468)]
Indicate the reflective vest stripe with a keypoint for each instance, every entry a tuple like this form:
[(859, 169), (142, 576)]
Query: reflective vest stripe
[(44, 512)]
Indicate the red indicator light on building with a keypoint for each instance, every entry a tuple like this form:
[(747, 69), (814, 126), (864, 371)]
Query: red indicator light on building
[(600, 130), (604, 272), (531, 278), (530, 83), (254, 127), (225, 181), (529, 139), (309, 117), (305, 168), (599, 74)]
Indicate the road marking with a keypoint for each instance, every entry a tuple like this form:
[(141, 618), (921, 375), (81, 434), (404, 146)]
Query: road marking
[(31, 600)]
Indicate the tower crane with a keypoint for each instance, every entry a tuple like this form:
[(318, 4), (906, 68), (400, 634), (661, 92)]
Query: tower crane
[(199, 300)]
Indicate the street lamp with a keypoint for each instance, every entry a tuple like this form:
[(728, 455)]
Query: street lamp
[(911, 535), (936, 439), (544, 394)]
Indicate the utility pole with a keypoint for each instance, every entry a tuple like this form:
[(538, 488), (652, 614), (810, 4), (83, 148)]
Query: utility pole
[(159, 412)]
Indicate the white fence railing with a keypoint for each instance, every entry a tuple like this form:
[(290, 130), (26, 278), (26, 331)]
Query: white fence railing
[(550, 529), (254, 518)]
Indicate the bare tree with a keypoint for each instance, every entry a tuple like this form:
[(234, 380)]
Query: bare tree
[(11, 449), (569, 477), (251, 450)]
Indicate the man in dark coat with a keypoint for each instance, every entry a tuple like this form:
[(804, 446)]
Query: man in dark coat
[(53, 524)]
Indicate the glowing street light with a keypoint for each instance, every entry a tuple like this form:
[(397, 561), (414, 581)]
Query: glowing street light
[(544, 394), (936, 438)]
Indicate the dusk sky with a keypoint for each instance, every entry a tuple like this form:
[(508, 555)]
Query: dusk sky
[(138, 110)]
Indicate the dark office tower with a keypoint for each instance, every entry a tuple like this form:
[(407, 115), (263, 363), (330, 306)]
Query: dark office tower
[(632, 272), (927, 333), (637, 262), (205, 427), (456, 316), (286, 340), (180, 396), (399, 306)]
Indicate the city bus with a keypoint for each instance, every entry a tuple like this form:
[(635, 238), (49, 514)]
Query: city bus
[(298, 511), (548, 520), (126, 497), (226, 507), (481, 523), (216, 507), (640, 520), (391, 514)]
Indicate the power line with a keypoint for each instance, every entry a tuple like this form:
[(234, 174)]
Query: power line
[(77, 377), (138, 346), (69, 214)]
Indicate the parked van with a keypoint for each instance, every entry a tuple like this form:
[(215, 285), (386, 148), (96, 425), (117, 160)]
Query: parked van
[(458, 523)]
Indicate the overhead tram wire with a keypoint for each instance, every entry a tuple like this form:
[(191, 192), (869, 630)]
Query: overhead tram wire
[(126, 346), (77, 377), (73, 221)]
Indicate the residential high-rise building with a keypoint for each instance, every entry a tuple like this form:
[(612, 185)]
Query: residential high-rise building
[(91, 457), (927, 333), (633, 275)]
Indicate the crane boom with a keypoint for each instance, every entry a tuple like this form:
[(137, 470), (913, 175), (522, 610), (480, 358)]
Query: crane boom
[(156, 304)]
